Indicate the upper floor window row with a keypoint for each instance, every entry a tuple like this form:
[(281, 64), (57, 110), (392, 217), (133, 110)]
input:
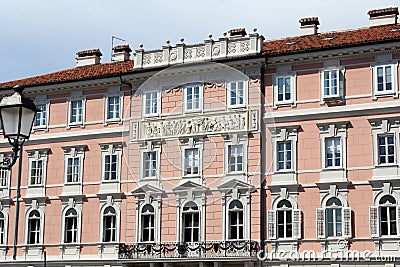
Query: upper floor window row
[(193, 98)]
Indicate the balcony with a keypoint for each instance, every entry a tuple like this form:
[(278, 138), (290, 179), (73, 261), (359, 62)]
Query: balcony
[(209, 249)]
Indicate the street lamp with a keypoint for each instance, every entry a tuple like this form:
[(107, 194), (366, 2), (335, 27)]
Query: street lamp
[(17, 114)]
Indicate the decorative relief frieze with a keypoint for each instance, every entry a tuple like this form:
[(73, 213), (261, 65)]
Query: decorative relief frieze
[(200, 125)]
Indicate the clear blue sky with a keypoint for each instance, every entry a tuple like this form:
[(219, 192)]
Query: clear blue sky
[(42, 36)]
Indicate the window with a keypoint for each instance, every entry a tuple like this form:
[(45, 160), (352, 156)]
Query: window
[(236, 93), (150, 164), (4, 174), (110, 167), (147, 218), (284, 155), (71, 226), (76, 112), (191, 222), (109, 225), (334, 217), (2, 228), (387, 216), (193, 97), (386, 149), (34, 227), (191, 161), (384, 81), (73, 169), (284, 219), (113, 108), (41, 116), (36, 172), (235, 158), (236, 220), (334, 220), (151, 103), (284, 89), (331, 83), (333, 152)]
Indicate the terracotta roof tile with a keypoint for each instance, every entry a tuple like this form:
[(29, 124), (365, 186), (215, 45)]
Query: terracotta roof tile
[(85, 72), (332, 39)]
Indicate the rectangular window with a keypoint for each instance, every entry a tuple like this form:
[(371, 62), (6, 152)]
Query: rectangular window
[(110, 167), (193, 96), (110, 228), (150, 164), (334, 222), (284, 157), (386, 149), (41, 116), (191, 161), (71, 230), (384, 78), (236, 93), (36, 172), (191, 227), (34, 231), (2, 228), (113, 108), (76, 112), (284, 89), (284, 223), (73, 168), (333, 152), (331, 83), (4, 177), (235, 159), (151, 103), (147, 228)]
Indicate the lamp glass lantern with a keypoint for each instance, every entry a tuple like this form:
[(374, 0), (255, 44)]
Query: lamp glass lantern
[(17, 114)]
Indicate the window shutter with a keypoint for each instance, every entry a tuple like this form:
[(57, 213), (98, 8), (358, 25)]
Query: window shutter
[(346, 222), (373, 221), (321, 223), (296, 217), (271, 224), (398, 220)]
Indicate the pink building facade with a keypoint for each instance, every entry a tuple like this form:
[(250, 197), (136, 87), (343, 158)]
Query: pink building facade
[(236, 151)]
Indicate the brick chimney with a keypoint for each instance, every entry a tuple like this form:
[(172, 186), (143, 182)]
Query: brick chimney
[(88, 57), (121, 52), (309, 26), (384, 16)]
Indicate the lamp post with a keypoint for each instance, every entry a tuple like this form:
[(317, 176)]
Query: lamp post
[(17, 114)]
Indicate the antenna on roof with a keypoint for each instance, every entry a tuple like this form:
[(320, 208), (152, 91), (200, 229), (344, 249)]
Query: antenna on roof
[(112, 45)]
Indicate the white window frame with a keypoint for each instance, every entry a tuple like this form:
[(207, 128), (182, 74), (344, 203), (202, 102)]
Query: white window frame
[(111, 149), (78, 152), (190, 212), (339, 96), (394, 79), (107, 97), (158, 102), (284, 102), (188, 144), (45, 126), (36, 155), (4, 231), (235, 140), (76, 204), (284, 134), (117, 221), (229, 93), (200, 99), (150, 147), (81, 123), (151, 227), (238, 225), (5, 178), (74, 230), (27, 226)]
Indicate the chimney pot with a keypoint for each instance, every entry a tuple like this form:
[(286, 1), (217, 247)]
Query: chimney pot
[(121, 52), (88, 57), (384, 16), (309, 26)]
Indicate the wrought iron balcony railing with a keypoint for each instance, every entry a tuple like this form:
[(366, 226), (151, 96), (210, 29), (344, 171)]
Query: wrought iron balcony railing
[(209, 249)]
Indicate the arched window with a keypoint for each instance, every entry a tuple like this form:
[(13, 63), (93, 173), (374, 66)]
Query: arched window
[(109, 225), (71, 226), (334, 217), (284, 219), (236, 220), (147, 223), (34, 227), (191, 222), (2, 229), (387, 215)]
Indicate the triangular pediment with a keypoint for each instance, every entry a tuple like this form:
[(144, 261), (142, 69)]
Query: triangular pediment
[(190, 186), (147, 189), (235, 183)]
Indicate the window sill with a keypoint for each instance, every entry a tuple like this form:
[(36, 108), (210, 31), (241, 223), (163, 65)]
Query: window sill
[(386, 165), (242, 106), (284, 171), (333, 169)]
